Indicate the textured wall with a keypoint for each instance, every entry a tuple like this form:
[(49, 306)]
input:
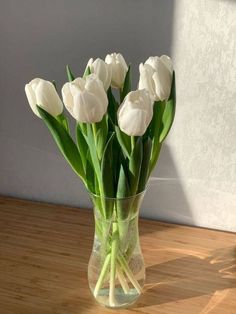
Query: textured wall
[(195, 181), (199, 159)]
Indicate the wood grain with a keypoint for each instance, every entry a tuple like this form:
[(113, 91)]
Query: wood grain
[(44, 251)]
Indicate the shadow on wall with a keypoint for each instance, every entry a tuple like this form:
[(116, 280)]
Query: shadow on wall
[(165, 199)]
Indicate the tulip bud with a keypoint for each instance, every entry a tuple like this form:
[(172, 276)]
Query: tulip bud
[(43, 93), (156, 76), (102, 70), (119, 69), (135, 113), (85, 99)]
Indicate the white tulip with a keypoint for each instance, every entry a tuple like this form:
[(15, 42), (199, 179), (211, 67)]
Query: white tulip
[(119, 69), (156, 76), (85, 99), (102, 70), (135, 113), (43, 93)]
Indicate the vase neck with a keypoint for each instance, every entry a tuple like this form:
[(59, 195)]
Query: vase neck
[(115, 209)]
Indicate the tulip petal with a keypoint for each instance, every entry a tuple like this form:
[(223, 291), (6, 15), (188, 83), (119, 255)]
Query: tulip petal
[(153, 62), (67, 97), (95, 86), (99, 68), (162, 78), (90, 62), (145, 80), (87, 108), (158, 83), (135, 113), (102, 70), (168, 62), (122, 61), (47, 98), (107, 83), (119, 69), (31, 99), (43, 93), (86, 99), (77, 85), (133, 122)]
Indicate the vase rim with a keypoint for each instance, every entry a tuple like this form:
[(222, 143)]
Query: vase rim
[(119, 198)]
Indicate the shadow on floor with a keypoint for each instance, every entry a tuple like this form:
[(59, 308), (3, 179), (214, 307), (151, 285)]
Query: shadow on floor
[(191, 276)]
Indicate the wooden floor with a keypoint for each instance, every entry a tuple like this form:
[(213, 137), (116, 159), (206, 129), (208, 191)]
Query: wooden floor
[(44, 251)]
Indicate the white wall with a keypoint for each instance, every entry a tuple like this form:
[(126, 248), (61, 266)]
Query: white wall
[(199, 160), (195, 181)]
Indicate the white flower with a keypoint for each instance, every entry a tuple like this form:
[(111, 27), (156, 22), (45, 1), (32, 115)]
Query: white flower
[(85, 99), (43, 93), (135, 113), (156, 76), (102, 70), (119, 69)]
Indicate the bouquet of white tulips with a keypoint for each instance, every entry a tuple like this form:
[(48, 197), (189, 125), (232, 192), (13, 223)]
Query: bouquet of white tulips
[(118, 141)]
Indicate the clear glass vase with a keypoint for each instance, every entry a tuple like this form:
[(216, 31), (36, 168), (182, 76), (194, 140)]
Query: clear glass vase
[(116, 271)]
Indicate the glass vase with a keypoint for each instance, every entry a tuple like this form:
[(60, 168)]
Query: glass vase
[(116, 271)]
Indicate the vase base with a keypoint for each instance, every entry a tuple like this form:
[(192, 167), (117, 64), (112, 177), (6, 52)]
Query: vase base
[(120, 299)]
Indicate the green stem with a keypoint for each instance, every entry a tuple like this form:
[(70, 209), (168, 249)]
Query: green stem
[(83, 128), (133, 224), (102, 275), (122, 279), (119, 268), (126, 269), (94, 127), (114, 249), (132, 142)]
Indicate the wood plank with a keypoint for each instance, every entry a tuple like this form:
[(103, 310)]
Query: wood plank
[(44, 252)]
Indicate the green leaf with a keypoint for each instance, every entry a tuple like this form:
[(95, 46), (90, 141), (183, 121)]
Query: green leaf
[(154, 132), (117, 157), (163, 116), (123, 189), (54, 84), (93, 152), (108, 169), (123, 206), (124, 141), (127, 85), (101, 136), (70, 75), (83, 128), (63, 121), (64, 142), (112, 108), (82, 145), (147, 148), (90, 176), (96, 184), (169, 112), (155, 127), (135, 165), (87, 71), (101, 142)]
